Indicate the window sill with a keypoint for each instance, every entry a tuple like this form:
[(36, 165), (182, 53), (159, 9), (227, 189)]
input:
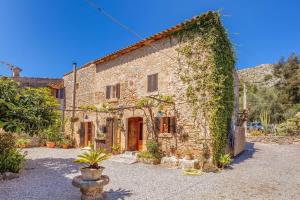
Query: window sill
[(112, 100), (165, 135), (153, 93)]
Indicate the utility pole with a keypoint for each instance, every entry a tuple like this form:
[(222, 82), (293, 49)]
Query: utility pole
[(245, 107), (74, 98)]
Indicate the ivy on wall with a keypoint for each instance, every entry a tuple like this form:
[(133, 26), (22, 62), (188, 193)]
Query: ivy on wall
[(206, 64)]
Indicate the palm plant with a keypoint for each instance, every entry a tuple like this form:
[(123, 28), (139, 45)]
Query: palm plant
[(92, 158)]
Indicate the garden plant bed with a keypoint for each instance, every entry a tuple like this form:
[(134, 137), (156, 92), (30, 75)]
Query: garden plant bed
[(272, 139)]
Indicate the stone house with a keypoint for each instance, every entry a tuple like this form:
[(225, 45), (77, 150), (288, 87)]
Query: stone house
[(55, 85), (144, 69)]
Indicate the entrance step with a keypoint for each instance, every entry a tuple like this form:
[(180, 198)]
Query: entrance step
[(130, 154), (128, 157)]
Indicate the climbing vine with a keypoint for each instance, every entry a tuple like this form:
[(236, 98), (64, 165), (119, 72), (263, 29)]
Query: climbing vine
[(206, 64)]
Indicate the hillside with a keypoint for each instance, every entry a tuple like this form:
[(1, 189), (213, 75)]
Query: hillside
[(260, 75)]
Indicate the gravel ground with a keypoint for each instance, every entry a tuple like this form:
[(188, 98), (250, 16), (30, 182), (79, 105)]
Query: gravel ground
[(263, 171)]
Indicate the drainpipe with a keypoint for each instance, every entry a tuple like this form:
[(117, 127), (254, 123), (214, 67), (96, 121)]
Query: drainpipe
[(74, 97)]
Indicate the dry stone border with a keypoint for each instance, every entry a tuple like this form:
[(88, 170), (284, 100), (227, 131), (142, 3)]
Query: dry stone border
[(271, 139)]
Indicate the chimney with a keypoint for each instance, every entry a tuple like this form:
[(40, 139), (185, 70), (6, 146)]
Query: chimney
[(16, 72)]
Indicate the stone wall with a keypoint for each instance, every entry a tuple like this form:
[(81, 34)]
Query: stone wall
[(131, 70), (272, 139), (36, 82)]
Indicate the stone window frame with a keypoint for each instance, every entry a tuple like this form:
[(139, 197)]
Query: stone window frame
[(113, 91), (166, 124)]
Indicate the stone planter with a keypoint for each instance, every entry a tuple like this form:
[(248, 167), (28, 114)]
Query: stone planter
[(91, 190), (50, 144), (90, 174)]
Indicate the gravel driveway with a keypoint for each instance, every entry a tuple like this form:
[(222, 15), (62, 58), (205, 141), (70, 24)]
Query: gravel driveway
[(262, 172)]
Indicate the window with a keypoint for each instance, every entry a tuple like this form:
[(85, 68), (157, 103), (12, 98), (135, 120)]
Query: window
[(113, 91), (152, 82), (165, 124), (56, 93), (60, 93)]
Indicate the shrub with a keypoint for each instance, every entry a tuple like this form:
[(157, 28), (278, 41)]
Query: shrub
[(256, 133), (291, 127), (268, 77), (22, 142), (12, 161), (225, 160), (7, 142), (67, 141), (145, 154), (116, 149), (153, 148)]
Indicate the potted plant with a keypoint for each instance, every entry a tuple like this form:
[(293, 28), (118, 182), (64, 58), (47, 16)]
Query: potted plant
[(66, 143), (52, 138), (22, 143), (92, 171)]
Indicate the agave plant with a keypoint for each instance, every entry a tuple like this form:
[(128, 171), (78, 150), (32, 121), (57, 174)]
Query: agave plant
[(265, 120), (92, 158)]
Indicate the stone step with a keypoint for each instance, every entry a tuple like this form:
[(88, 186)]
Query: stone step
[(130, 153)]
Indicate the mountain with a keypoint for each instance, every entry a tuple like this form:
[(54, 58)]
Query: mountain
[(260, 75)]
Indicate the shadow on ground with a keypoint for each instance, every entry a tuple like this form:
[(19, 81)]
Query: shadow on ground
[(56, 174), (248, 153), (117, 194)]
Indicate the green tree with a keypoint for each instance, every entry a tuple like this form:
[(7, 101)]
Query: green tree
[(25, 109), (288, 72)]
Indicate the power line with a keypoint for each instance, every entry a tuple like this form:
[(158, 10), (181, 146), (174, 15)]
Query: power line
[(119, 23)]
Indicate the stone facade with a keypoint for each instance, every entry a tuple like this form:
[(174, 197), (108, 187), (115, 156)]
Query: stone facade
[(131, 70)]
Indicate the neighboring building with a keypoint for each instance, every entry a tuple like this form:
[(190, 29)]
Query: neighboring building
[(119, 79), (56, 85)]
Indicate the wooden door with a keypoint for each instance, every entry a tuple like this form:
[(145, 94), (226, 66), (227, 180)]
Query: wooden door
[(132, 134), (135, 134), (89, 132), (86, 134), (140, 135)]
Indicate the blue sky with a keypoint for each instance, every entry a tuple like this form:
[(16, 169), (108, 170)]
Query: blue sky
[(44, 37)]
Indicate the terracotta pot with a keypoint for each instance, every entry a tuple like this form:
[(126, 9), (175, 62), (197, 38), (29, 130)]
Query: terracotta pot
[(50, 144), (65, 146), (22, 145), (90, 174)]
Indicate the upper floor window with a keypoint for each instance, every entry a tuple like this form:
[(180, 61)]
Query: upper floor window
[(152, 82), (113, 91)]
